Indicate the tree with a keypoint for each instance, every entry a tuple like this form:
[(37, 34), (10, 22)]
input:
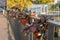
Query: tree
[(43, 1), (10, 3), (19, 3)]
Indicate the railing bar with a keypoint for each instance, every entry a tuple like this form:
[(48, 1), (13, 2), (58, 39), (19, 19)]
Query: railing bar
[(32, 36), (28, 37)]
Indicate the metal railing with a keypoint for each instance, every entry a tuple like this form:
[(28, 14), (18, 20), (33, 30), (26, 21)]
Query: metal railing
[(51, 26), (53, 13)]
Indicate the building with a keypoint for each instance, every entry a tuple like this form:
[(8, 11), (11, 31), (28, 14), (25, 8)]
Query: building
[(39, 9)]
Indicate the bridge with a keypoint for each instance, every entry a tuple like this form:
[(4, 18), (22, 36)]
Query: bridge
[(15, 28), (54, 13), (17, 35)]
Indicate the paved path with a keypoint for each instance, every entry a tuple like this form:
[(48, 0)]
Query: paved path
[(3, 28)]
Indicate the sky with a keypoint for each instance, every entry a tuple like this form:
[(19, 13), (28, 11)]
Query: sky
[(2, 2)]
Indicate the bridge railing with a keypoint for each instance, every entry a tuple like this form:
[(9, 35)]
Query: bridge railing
[(52, 24), (53, 13)]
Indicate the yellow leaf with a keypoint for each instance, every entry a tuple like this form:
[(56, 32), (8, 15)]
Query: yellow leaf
[(20, 3)]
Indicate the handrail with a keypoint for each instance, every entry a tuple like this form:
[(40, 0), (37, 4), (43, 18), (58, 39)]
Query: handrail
[(54, 13), (51, 25), (57, 23)]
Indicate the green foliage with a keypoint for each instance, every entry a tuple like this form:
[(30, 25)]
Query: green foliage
[(43, 1)]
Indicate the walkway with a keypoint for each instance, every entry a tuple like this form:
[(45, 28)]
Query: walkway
[(3, 28)]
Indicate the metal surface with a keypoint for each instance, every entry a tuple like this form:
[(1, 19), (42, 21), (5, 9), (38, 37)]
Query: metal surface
[(16, 28)]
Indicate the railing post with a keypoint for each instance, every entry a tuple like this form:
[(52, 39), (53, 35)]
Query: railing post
[(28, 37), (32, 36), (50, 31)]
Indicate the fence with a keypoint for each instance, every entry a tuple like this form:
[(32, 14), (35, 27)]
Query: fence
[(53, 13), (51, 26)]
